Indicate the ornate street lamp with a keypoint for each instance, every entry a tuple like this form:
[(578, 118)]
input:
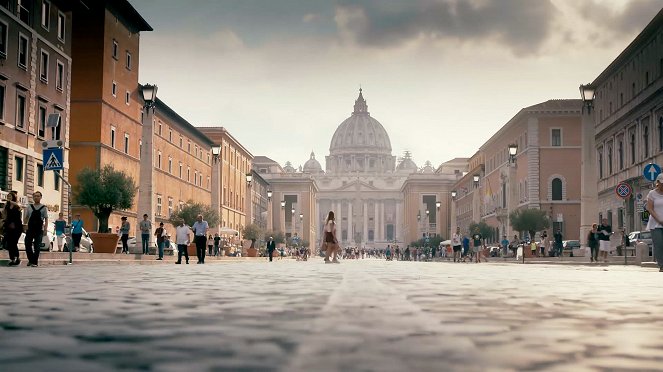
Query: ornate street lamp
[(476, 180), (301, 217), (438, 205), (249, 178), (513, 150), (282, 204), (269, 195), (587, 93), (453, 194), (149, 92), (419, 216), (216, 151)]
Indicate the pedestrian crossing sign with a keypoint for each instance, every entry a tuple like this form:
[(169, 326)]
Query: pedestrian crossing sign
[(53, 159)]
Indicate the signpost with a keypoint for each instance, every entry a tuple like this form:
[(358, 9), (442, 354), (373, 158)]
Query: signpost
[(624, 191)]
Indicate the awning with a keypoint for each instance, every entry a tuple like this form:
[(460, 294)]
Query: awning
[(228, 231)]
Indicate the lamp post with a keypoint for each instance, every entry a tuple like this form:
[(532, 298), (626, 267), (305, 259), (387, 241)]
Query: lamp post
[(146, 192), (427, 223), (513, 150), (269, 211), (452, 212), (292, 221), (438, 225), (301, 224), (588, 172), (216, 189), (512, 196), (419, 222), (283, 216)]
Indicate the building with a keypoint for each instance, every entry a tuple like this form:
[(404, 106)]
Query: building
[(375, 198), (181, 167), (35, 83), (234, 163), (544, 172), (628, 126), (106, 102), (259, 201)]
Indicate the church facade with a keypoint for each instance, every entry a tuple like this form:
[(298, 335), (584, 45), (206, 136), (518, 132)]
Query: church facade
[(377, 199)]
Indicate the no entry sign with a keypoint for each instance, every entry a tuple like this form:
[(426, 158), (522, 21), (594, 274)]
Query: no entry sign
[(623, 190)]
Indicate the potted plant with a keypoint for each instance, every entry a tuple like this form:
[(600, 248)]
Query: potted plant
[(252, 232), (189, 212), (103, 191)]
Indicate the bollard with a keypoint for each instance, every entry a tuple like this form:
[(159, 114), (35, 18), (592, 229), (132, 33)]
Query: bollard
[(641, 251)]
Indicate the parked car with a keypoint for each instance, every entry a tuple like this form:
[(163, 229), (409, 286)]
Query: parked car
[(46, 243), (571, 248), (131, 243), (636, 237), (86, 245)]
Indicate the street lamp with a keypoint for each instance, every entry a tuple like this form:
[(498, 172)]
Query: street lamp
[(301, 217), (216, 151), (249, 178), (438, 204), (453, 194), (476, 180), (282, 204), (149, 92), (293, 211), (269, 195), (587, 93), (513, 150)]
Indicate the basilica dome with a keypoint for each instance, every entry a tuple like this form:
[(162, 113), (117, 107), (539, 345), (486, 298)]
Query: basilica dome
[(360, 133), (312, 165), (360, 144)]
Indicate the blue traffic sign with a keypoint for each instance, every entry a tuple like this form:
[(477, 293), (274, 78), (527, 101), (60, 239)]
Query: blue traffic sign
[(53, 159), (651, 171)]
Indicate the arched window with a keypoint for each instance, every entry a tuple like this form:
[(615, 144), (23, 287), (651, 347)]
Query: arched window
[(632, 148), (556, 189), (646, 139), (609, 160), (600, 163), (621, 154)]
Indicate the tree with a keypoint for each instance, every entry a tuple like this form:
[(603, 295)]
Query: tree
[(530, 220), (103, 191), (279, 237), (190, 211), (487, 231), (252, 232)]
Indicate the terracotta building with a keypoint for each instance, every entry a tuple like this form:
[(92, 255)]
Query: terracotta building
[(544, 173), (35, 82), (106, 103)]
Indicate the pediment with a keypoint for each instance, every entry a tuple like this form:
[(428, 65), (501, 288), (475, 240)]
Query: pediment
[(357, 185)]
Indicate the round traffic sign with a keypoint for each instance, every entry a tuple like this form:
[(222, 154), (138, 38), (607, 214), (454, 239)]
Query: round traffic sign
[(623, 190)]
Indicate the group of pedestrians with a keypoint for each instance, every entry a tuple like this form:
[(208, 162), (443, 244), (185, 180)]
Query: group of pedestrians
[(36, 215)]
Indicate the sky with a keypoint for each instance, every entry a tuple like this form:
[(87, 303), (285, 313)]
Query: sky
[(441, 76)]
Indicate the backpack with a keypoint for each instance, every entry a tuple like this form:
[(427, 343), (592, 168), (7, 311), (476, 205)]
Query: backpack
[(35, 222)]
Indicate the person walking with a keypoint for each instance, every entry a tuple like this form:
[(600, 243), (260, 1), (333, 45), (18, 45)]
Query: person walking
[(330, 240), (271, 247), (124, 234), (60, 224), (605, 231), (655, 223), (544, 242), (12, 227), (217, 241), (182, 239), (466, 247), (37, 223), (476, 244), (505, 246), (200, 228), (558, 243), (77, 232), (456, 243), (160, 234), (593, 243), (210, 244), (145, 228)]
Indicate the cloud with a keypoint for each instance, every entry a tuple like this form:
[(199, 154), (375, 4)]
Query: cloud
[(520, 25), (631, 18), (311, 17)]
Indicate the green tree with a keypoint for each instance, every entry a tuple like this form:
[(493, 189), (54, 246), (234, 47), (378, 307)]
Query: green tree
[(487, 231), (252, 232), (279, 237), (103, 191), (529, 220), (190, 211)]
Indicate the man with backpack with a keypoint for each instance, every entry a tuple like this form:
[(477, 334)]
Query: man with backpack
[(37, 214)]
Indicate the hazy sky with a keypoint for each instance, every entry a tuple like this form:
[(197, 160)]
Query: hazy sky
[(440, 75)]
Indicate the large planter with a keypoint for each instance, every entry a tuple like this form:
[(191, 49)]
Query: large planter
[(252, 252), (104, 242)]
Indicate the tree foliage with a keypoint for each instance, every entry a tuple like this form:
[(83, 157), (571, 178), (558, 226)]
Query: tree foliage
[(487, 231), (433, 241), (103, 191), (252, 232), (190, 211), (279, 237), (529, 220)]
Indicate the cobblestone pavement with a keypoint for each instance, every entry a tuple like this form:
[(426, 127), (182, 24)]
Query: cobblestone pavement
[(307, 316)]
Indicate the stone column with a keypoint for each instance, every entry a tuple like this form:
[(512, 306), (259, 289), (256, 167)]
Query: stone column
[(376, 222), (382, 219), (588, 175), (397, 228), (350, 229), (365, 237), (339, 220), (146, 177)]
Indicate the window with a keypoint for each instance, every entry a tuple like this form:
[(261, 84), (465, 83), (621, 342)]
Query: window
[(24, 9), (127, 95), (609, 160), (620, 218), (115, 48), (188, 148), (170, 206), (56, 182), (22, 52), (61, 25), (158, 205), (160, 128), (40, 175), (45, 14), (170, 135), (200, 179), (646, 139), (126, 143), (159, 160), (114, 89), (18, 169), (2, 101), (140, 149), (600, 163), (195, 178), (112, 137), (41, 131), (4, 32), (43, 67), (20, 110), (632, 148), (180, 142), (621, 154), (170, 165), (55, 132), (59, 77), (180, 170), (128, 61), (188, 174), (556, 137)]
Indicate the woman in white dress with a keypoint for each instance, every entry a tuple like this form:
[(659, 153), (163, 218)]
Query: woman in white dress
[(329, 240), (655, 223)]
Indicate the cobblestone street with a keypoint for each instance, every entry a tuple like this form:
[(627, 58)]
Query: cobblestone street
[(306, 316)]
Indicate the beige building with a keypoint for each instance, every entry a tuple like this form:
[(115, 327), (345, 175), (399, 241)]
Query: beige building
[(544, 173), (35, 82), (628, 126)]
